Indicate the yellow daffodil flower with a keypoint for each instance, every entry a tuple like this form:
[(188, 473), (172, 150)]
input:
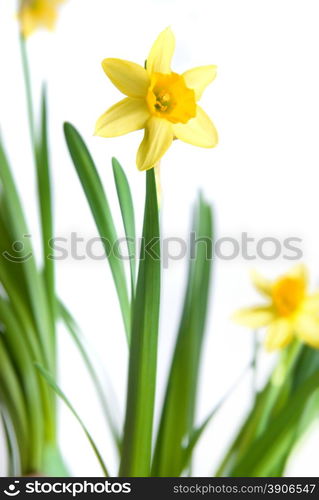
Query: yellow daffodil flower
[(160, 101), (34, 14), (291, 312)]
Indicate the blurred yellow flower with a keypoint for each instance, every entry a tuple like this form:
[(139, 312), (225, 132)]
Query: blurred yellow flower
[(291, 312), (162, 102), (34, 14)]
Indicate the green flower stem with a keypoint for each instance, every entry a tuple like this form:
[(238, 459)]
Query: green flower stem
[(28, 90)]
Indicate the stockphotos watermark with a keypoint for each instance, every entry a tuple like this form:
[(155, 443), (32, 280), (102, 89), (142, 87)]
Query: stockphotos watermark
[(73, 488), (169, 249)]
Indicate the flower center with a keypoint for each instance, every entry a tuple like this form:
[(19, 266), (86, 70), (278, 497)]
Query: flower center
[(163, 100), (168, 97), (31, 4), (288, 294)]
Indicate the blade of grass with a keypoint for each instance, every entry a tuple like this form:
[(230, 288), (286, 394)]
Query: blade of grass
[(33, 280), (303, 362), (76, 335), (310, 414), (138, 428), (17, 348), (23, 329), (50, 380), (259, 459), (280, 385), (12, 396), (13, 281), (21, 311), (177, 420), (12, 444), (45, 205), (101, 212), (53, 464), (306, 365), (127, 211), (9, 258)]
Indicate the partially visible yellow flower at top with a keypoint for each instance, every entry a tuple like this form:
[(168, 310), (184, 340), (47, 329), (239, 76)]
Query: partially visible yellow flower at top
[(162, 102), (291, 312), (35, 14)]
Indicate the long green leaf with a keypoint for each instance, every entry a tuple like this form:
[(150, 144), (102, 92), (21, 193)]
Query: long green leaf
[(45, 205), (258, 460), (27, 341), (18, 351), (12, 396), (9, 258), (101, 212), (33, 280), (14, 465), (127, 210), (306, 365), (177, 420), (138, 429), (57, 390), (302, 363), (12, 279), (21, 280)]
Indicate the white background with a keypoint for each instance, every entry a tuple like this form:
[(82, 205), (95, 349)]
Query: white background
[(262, 179)]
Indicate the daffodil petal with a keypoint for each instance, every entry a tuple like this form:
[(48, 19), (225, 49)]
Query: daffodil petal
[(199, 131), (130, 78), (279, 334), (41, 14), (49, 17), (254, 317), (261, 284), (28, 23), (126, 116), (198, 78), (307, 329), (157, 139), (299, 271), (160, 56), (311, 304)]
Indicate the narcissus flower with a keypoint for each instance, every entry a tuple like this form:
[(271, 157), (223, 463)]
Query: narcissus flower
[(291, 312), (162, 102), (34, 14)]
